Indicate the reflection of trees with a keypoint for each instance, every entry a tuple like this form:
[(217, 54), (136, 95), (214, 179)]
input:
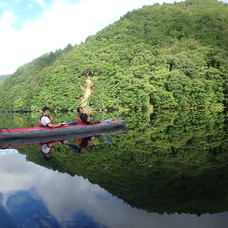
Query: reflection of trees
[(167, 162)]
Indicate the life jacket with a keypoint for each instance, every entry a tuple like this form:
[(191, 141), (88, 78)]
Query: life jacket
[(39, 121), (82, 119), (79, 120)]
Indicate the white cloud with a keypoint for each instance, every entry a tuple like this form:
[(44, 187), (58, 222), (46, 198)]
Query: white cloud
[(7, 20), (71, 194), (59, 25)]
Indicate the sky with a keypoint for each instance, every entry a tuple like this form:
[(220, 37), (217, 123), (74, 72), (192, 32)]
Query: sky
[(29, 29)]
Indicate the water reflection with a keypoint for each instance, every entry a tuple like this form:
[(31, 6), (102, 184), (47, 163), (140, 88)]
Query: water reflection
[(33, 196), (168, 163), (81, 145)]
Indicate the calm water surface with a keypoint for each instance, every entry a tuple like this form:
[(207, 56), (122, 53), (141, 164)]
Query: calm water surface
[(168, 170)]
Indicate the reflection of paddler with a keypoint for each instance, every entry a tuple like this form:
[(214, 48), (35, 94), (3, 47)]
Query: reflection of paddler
[(46, 149), (84, 143)]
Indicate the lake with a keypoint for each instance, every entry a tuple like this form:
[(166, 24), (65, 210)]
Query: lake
[(169, 169)]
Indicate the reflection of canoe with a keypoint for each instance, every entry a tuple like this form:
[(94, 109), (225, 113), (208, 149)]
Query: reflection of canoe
[(7, 143), (36, 132)]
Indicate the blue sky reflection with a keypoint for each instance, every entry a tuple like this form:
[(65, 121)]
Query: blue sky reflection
[(33, 196)]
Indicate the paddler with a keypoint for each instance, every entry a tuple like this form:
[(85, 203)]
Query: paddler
[(82, 116), (46, 120)]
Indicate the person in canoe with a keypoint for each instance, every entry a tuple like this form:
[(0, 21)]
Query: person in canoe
[(83, 117), (46, 120)]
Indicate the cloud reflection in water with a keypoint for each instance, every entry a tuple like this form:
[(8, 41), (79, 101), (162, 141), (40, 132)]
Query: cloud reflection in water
[(33, 195)]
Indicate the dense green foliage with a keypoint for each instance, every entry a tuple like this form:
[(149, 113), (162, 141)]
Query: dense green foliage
[(3, 77), (171, 162), (19, 90), (162, 56)]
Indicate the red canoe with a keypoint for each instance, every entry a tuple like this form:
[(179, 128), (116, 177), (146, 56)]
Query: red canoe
[(38, 132)]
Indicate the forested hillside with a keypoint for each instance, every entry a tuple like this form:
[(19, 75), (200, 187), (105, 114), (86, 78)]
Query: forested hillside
[(160, 56), (3, 77)]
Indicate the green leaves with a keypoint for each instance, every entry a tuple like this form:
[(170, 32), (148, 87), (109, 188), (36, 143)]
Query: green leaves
[(168, 56)]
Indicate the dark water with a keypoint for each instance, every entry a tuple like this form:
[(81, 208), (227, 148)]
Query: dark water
[(169, 170)]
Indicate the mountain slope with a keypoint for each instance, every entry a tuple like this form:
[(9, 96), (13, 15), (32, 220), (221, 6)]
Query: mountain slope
[(165, 56)]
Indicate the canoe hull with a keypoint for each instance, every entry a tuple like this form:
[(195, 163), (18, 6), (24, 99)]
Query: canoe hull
[(8, 143), (39, 132)]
